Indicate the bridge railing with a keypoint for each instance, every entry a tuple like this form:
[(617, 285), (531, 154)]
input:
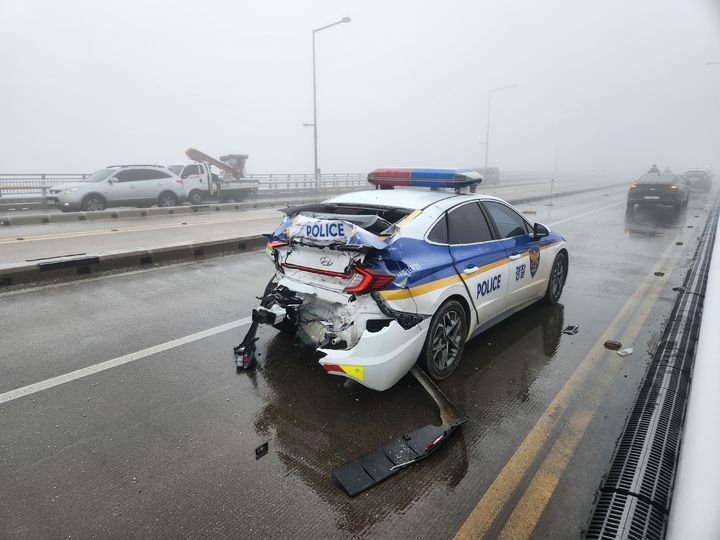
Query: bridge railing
[(33, 187)]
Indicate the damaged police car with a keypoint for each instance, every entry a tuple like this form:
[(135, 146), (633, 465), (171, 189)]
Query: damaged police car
[(383, 279)]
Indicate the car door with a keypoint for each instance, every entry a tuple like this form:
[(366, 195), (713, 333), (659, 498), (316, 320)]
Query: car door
[(125, 190), (528, 270), (479, 259), (150, 183)]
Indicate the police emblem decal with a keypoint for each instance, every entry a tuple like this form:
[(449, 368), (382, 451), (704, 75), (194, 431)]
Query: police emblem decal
[(534, 253)]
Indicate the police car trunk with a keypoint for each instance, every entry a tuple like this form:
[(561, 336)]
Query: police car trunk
[(330, 256)]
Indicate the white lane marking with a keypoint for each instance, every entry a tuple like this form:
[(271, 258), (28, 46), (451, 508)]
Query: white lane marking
[(586, 213), (119, 361)]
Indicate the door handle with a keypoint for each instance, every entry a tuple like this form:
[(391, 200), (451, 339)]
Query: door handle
[(515, 256), (131, 186), (470, 269)]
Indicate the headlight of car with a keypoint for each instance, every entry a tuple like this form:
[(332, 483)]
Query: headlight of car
[(70, 190)]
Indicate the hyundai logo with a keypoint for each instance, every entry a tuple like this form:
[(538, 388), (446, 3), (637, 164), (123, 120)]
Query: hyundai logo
[(326, 261)]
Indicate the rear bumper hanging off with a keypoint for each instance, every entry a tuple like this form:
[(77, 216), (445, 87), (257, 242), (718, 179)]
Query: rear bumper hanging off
[(372, 468)]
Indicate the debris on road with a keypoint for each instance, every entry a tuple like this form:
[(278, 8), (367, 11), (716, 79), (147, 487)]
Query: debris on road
[(625, 352), (372, 468), (571, 330), (261, 450), (613, 345), (659, 274), (678, 289)]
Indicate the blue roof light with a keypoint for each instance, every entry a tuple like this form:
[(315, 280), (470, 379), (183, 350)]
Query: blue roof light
[(434, 178)]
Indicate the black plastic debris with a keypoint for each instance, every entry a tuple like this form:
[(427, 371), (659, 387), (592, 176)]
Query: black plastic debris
[(372, 468), (659, 274), (678, 289), (261, 450), (571, 330), (613, 345)]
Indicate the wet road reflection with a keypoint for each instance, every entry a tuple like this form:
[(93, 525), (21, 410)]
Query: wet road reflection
[(653, 221), (311, 436)]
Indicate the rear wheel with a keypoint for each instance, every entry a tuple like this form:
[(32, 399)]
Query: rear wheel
[(195, 197), (558, 272), (167, 199), (445, 341), (94, 203)]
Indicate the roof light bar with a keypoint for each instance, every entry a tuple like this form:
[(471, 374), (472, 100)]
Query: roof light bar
[(434, 178)]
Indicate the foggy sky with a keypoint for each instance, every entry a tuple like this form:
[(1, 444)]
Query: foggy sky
[(612, 85)]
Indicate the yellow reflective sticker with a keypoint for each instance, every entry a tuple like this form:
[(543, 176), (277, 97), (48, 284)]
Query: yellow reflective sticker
[(357, 372)]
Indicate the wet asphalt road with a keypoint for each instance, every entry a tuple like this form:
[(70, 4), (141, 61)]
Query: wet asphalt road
[(163, 445)]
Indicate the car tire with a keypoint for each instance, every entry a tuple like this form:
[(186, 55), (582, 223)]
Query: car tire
[(166, 199), (195, 197), (556, 282), (94, 203), (445, 341)]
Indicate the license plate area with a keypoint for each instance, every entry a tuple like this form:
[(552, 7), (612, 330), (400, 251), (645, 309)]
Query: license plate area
[(651, 197), (324, 260)]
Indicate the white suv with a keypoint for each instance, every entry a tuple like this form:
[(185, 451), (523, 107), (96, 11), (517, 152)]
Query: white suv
[(120, 185)]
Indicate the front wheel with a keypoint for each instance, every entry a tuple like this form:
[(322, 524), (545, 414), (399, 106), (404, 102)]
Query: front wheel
[(445, 341), (94, 203), (557, 280)]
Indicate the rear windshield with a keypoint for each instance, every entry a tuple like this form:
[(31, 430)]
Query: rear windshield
[(385, 216), (659, 179), (696, 174)]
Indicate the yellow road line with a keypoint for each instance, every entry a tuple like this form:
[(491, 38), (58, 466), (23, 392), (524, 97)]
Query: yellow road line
[(546, 479), (80, 234), (529, 509), (486, 512)]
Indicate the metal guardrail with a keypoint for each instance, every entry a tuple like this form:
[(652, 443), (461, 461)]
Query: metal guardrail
[(35, 186)]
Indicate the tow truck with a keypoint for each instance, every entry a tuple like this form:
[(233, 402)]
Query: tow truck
[(202, 184)]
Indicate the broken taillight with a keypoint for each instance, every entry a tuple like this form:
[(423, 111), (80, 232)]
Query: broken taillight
[(368, 279)]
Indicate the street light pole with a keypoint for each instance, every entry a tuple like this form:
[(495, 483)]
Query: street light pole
[(487, 131), (315, 123)]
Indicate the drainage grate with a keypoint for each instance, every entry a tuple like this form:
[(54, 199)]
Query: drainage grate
[(634, 497)]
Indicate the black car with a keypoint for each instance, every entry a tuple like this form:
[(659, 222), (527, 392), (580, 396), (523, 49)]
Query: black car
[(659, 189), (699, 179)]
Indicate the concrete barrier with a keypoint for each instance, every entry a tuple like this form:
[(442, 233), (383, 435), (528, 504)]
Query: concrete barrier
[(120, 213), (65, 268)]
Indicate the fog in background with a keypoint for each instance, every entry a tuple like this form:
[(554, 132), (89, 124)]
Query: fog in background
[(612, 85)]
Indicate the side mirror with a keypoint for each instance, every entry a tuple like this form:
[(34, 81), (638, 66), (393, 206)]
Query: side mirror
[(540, 230), (112, 180)]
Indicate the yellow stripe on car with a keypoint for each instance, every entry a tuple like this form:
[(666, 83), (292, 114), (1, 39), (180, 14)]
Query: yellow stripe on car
[(400, 294)]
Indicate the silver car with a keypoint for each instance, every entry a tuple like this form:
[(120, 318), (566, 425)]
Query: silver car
[(120, 185)]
